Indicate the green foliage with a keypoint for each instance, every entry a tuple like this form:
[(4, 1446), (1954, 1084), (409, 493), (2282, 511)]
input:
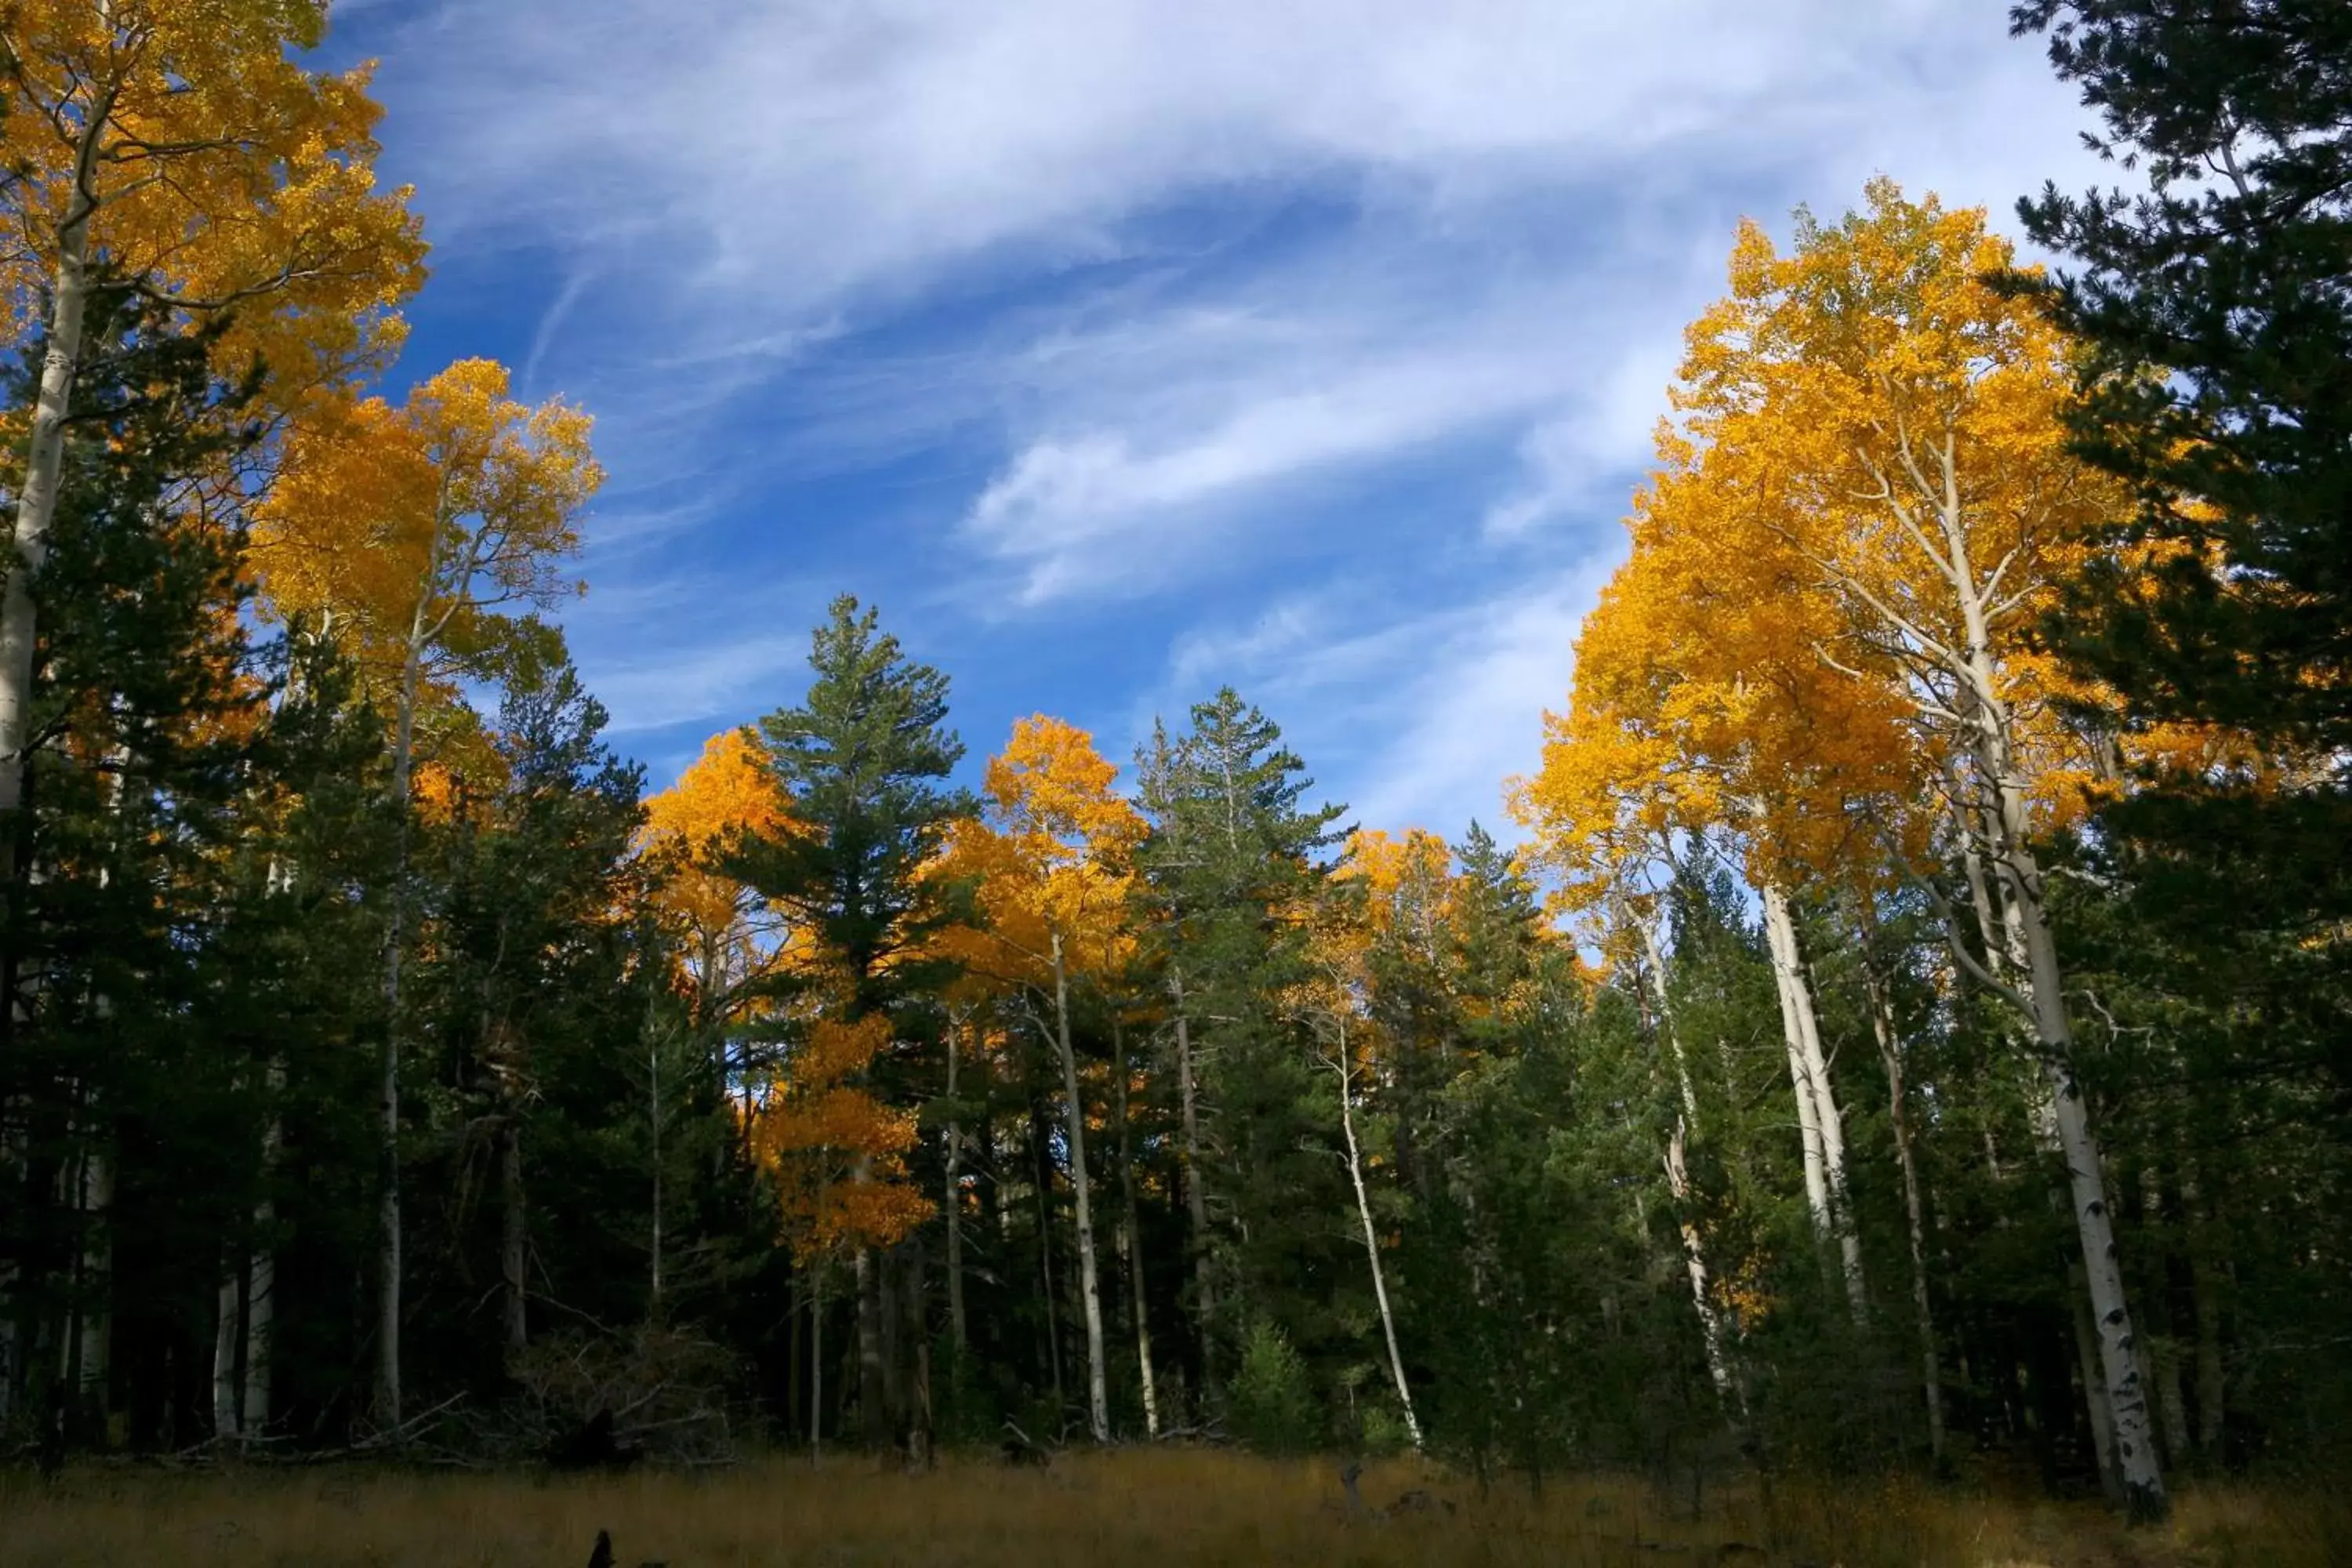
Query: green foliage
[(862, 761), (1274, 1408)]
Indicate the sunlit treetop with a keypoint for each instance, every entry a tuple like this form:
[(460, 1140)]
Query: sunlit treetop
[(214, 171)]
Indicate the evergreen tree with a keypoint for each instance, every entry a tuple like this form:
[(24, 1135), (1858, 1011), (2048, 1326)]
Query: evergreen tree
[(2217, 323)]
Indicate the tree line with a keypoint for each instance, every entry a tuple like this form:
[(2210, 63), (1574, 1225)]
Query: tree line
[(1909, 1030)]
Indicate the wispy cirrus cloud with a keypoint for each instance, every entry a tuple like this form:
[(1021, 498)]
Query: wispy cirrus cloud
[(1078, 321)]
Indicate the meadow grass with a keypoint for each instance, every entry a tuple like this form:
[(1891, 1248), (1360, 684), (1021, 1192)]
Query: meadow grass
[(1144, 1508)]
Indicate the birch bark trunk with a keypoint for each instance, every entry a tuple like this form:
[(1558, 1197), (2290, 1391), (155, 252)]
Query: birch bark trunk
[(1132, 1244), (1710, 1320), (1074, 1123), (1960, 687), (1371, 1241), (1827, 1192), (226, 1326), (954, 1205), (1890, 1051), (261, 1275), (36, 501), (388, 1222)]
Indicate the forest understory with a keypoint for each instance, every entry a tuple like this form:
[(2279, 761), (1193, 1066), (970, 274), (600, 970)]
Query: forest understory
[(1161, 1506)]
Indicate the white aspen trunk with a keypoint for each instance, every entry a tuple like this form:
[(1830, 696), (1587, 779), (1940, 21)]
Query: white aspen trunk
[(515, 1238), (954, 1210), (226, 1418), (1817, 1186), (261, 1273), (1666, 1020), (261, 1327), (1890, 1051), (2101, 1409), (1817, 1109), (2135, 1455), (1131, 1246), (1372, 1243), (37, 501), (1710, 1318), (1074, 1120), (1979, 719), (94, 1355)]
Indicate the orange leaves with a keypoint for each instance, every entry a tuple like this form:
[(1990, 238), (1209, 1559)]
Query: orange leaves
[(727, 935), (1867, 489), (221, 171), (837, 1153), (410, 529), (1054, 857)]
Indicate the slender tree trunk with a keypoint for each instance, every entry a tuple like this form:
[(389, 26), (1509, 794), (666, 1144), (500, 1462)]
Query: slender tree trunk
[(2096, 1403), (388, 1223), (36, 501), (816, 1365), (1817, 1107), (515, 1238), (1041, 1172), (873, 1411), (1710, 1318), (1131, 1242), (1992, 734), (653, 1119), (94, 1356), (260, 1325), (2135, 1455), (1372, 1242), (1074, 1125), (1196, 1198), (227, 1419), (261, 1275), (1890, 1051), (953, 1210)]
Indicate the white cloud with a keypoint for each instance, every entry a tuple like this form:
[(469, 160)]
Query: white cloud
[(663, 686), (809, 237), (1412, 716)]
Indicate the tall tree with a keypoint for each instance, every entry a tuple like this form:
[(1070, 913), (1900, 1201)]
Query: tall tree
[(1058, 902), (411, 532), (1231, 866), (2216, 322), (183, 153), (864, 760)]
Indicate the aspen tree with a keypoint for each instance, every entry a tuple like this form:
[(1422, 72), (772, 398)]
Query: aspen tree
[(419, 527), (176, 147)]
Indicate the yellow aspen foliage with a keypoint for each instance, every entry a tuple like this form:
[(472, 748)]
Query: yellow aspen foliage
[(210, 169), (837, 1155), (408, 533), (1868, 486), (1052, 857)]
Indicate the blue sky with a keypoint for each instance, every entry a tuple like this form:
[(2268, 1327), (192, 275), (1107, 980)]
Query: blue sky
[(1121, 348)]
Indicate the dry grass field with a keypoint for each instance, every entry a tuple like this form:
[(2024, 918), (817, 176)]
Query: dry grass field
[(1133, 1509)]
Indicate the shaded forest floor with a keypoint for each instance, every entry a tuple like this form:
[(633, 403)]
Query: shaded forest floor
[(1153, 1507)]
